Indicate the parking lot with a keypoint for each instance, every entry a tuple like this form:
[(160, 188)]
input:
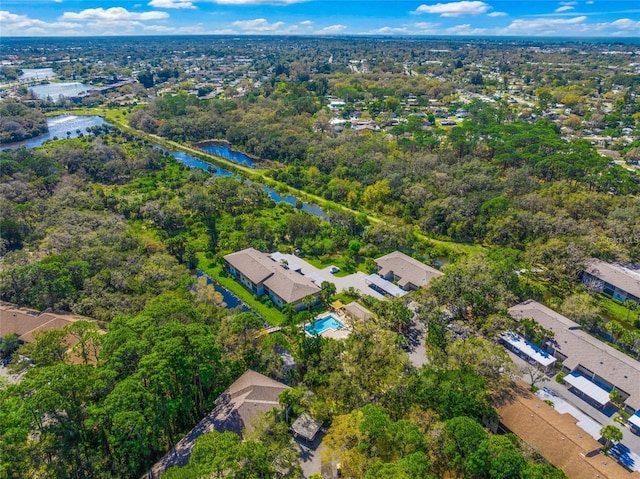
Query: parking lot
[(355, 280)]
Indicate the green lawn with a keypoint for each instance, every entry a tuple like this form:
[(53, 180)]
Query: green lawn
[(335, 261), (614, 309), (272, 315)]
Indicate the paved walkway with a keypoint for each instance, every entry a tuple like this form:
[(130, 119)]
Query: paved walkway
[(355, 280), (310, 454), (416, 335)]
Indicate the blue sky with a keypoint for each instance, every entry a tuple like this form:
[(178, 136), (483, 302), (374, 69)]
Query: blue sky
[(583, 18)]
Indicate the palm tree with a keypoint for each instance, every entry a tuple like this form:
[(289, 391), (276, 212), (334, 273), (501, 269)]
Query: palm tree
[(615, 329), (309, 301), (289, 310), (612, 434), (327, 290), (631, 306)]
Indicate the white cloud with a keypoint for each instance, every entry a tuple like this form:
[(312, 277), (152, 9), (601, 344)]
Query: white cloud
[(20, 25), (626, 24), (426, 25), (258, 25), (549, 26), (564, 8), (568, 3), (497, 14), (171, 4), (388, 31), (159, 29), (333, 29), (306, 23), (454, 9), (112, 15), (257, 2), (465, 29)]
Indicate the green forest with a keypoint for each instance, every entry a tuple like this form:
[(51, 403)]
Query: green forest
[(492, 180), (19, 122), (107, 226), (110, 226)]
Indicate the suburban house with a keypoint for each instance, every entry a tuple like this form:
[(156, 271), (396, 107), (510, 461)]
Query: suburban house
[(250, 395), (262, 274), (27, 323), (409, 273), (557, 438), (593, 368), (612, 279)]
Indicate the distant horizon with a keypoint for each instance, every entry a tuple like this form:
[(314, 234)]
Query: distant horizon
[(460, 38), (401, 18)]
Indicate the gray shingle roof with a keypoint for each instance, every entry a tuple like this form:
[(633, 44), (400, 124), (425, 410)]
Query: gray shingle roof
[(252, 263), (260, 268), (583, 349), (616, 275), (306, 427), (290, 286), (406, 268), (251, 394)]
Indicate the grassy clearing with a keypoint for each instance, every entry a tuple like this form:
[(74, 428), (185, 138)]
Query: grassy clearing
[(339, 261), (614, 309), (451, 248), (272, 315)]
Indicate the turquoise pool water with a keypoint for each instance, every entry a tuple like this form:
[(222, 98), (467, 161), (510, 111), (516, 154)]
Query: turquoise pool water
[(323, 324)]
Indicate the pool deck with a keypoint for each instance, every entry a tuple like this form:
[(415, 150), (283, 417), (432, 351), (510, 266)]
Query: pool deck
[(333, 333), (336, 333)]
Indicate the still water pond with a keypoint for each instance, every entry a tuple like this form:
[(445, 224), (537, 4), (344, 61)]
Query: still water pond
[(193, 162), (59, 126), (36, 73), (54, 91), (227, 153), (70, 126), (230, 299)]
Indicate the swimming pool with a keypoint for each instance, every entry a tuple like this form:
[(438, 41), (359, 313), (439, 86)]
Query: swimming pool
[(323, 324)]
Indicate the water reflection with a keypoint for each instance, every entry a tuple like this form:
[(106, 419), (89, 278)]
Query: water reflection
[(227, 153), (194, 162), (56, 90), (62, 126), (36, 73)]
